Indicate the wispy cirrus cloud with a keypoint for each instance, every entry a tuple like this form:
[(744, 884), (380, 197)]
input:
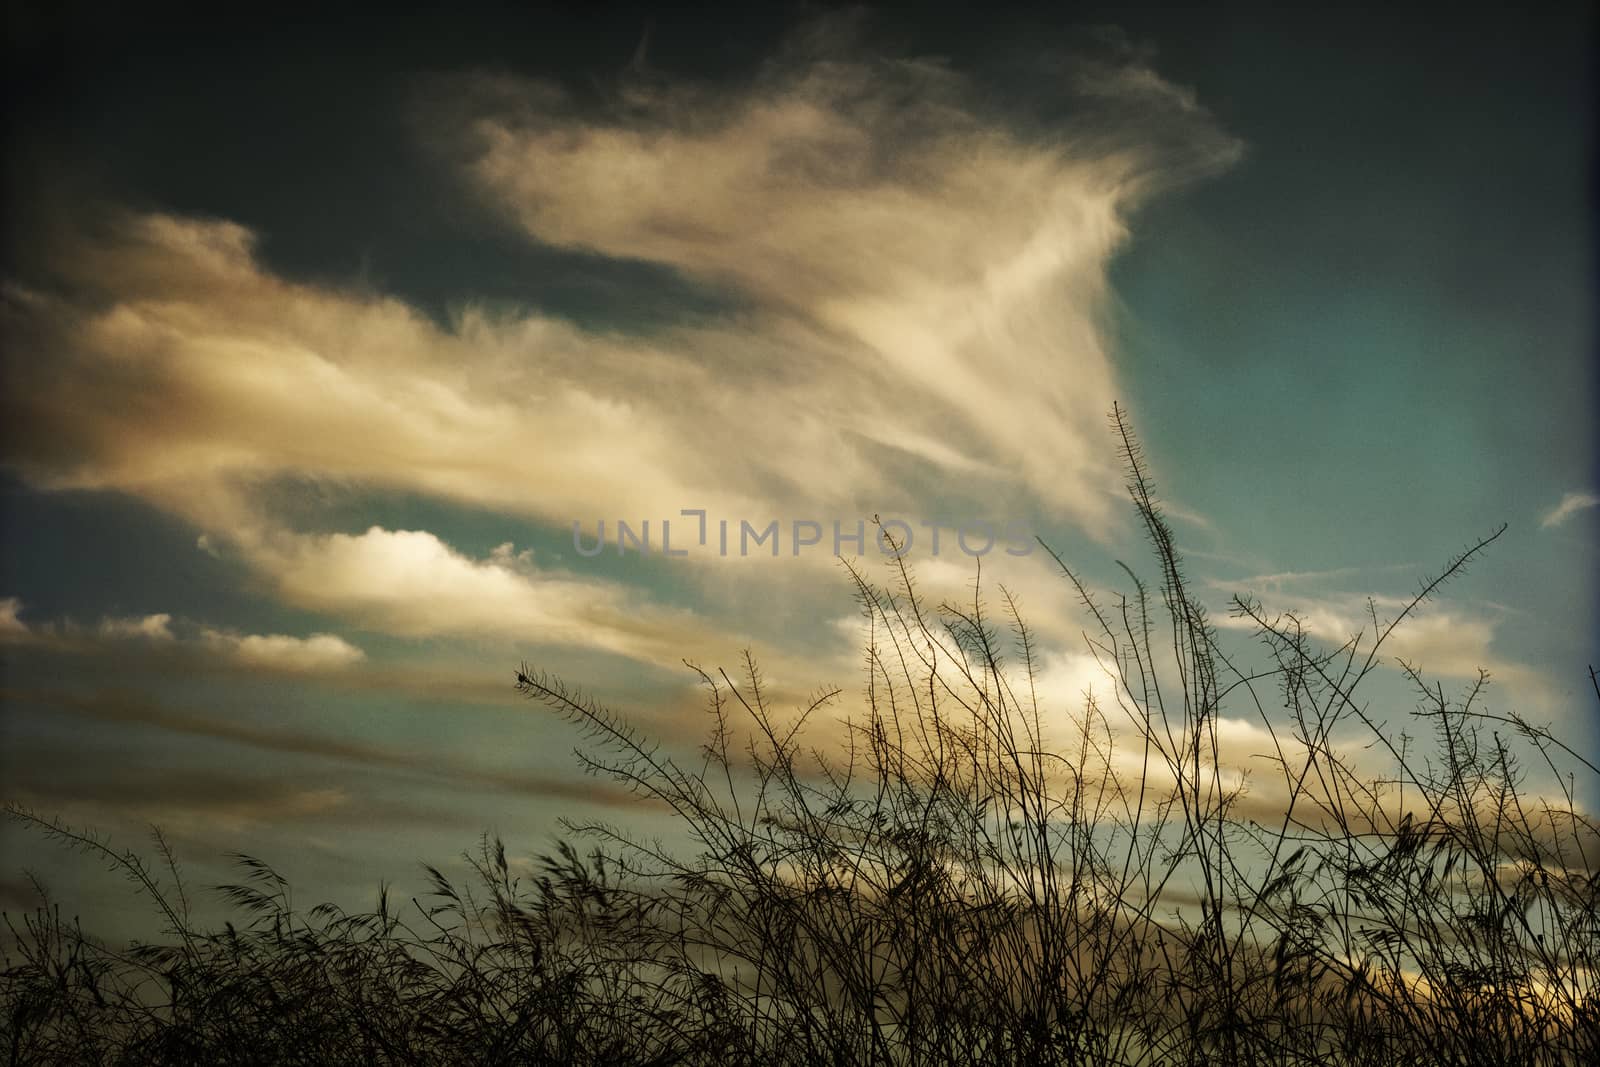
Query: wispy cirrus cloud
[(929, 276), (272, 652), (920, 284), (1571, 504), (1454, 641), (133, 710)]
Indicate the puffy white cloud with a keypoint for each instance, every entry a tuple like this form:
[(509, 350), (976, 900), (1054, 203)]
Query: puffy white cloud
[(319, 652), (410, 582)]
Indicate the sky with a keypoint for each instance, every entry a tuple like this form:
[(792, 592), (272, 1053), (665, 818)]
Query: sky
[(321, 335)]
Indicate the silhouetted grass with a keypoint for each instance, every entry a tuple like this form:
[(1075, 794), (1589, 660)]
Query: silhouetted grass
[(951, 883)]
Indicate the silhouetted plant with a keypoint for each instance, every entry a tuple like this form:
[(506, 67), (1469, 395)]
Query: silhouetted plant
[(951, 882)]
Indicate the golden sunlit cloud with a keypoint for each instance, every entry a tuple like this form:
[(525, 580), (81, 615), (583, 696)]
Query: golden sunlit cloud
[(921, 289)]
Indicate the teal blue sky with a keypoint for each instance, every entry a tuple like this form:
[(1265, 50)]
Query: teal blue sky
[(319, 336)]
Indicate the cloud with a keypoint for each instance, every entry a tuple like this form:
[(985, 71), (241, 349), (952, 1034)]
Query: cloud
[(410, 582), (923, 285), (180, 371), (1570, 505), (129, 709), (11, 624), (413, 584), (180, 799), (281, 652), (1453, 641), (273, 652), (147, 627), (154, 628), (932, 273), (1280, 578), (919, 282)]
